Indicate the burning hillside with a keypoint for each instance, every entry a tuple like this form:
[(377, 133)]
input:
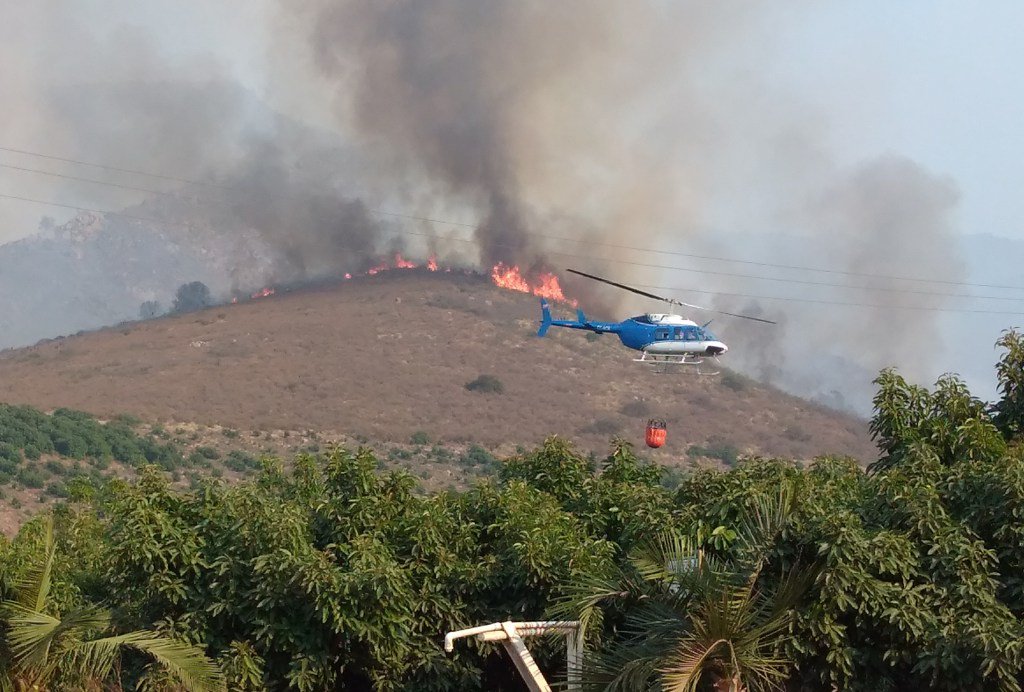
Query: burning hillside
[(541, 283)]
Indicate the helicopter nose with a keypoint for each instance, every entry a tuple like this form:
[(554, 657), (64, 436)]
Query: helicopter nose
[(716, 348)]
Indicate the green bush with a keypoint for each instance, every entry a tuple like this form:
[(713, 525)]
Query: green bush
[(31, 477), (724, 452), (735, 381), (478, 458), (208, 452), (420, 438), (9, 453), (487, 384), (240, 461), (55, 467), (56, 489)]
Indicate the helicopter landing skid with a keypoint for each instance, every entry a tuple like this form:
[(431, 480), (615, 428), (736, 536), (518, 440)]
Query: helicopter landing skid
[(664, 364)]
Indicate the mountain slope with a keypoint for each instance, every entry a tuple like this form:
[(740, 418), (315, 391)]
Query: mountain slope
[(386, 356)]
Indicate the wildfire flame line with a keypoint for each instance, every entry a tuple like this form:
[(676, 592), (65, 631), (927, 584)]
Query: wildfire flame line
[(545, 286), (510, 277)]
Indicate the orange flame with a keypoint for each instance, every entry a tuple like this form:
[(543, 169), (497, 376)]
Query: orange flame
[(262, 293), (432, 263), (402, 263), (511, 278)]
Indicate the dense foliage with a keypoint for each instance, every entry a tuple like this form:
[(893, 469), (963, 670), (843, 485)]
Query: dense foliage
[(333, 575), (27, 433)]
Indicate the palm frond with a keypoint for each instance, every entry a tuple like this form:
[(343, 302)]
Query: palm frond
[(37, 641), (189, 664), (30, 635), (759, 529), (689, 662), (33, 588)]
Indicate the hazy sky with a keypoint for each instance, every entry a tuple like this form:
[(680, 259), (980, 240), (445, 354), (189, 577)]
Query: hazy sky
[(879, 130), (937, 81)]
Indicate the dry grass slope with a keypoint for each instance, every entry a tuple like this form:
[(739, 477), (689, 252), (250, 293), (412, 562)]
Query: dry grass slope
[(384, 357)]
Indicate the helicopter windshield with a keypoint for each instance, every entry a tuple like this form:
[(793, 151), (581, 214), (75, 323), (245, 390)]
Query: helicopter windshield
[(706, 335)]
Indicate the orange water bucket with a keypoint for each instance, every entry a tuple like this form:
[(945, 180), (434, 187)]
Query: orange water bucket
[(656, 433)]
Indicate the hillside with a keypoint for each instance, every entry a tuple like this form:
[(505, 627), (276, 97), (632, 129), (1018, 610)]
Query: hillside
[(383, 357)]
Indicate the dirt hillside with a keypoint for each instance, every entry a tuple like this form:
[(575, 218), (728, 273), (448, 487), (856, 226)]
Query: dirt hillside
[(384, 357)]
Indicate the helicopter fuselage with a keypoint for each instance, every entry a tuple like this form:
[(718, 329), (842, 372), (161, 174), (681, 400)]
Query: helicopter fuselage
[(654, 333)]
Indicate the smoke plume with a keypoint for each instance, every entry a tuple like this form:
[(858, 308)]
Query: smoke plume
[(615, 125)]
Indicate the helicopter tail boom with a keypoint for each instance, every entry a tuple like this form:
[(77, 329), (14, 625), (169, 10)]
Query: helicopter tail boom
[(580, 323)]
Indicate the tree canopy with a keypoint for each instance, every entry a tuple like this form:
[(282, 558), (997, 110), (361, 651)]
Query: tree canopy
[(330, 574)]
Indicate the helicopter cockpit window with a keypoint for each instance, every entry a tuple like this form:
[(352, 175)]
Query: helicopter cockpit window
[(677, 333), (692, 335), (661, 334)]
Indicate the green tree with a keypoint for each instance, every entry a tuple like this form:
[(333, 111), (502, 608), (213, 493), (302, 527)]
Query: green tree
[(191, 297), (43, 649), (1009, 412)]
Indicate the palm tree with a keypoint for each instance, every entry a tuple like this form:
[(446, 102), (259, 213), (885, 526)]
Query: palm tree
[(43, 651), (687, 620)]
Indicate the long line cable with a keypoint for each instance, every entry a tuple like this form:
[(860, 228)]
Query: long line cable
[(587, 241)]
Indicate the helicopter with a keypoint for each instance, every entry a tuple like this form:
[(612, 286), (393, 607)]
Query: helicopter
[(661, 338)]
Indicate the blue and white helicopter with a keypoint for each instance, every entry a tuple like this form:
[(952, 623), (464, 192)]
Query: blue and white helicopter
[(662, 339)]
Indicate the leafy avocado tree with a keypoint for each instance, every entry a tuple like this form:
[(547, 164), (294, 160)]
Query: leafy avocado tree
[(44, 649)]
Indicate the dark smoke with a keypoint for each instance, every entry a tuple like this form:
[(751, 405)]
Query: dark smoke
[(602, 120)]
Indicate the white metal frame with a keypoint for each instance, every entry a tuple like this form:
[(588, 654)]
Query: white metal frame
[(511, 634)]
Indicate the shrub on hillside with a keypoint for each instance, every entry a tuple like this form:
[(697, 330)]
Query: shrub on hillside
[(31, 477), (488, 384), (240, 461), (208, 452), (192, 296), (9, 453), (150, 309), (724, 452)]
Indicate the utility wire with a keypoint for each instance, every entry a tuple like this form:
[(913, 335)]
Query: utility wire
[(603, 259), (546, 236), (830, 302), (807, 282)]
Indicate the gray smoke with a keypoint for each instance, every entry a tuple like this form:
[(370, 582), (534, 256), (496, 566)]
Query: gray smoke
[(635, 124)]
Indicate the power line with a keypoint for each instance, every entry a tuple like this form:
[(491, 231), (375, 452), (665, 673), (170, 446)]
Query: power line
[(469, 240), (807, 282), (130, 171), (576, 256), (545, 236), (831, 302)]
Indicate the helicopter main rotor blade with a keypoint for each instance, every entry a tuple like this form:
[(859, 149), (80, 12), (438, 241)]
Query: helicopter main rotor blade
[(731, 314), (625, 287), (670, 301)]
